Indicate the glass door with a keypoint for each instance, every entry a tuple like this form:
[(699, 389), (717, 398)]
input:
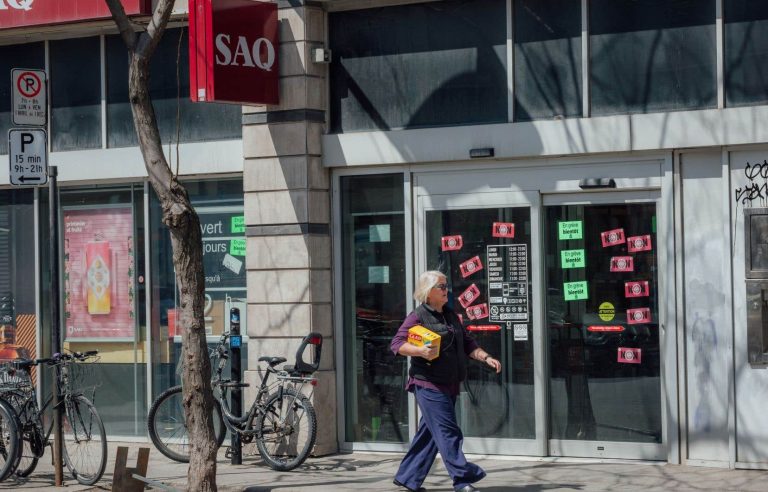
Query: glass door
[(602, 318), (487, 244)]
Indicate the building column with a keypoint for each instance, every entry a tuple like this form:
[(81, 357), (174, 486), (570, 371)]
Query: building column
[(287, 215)]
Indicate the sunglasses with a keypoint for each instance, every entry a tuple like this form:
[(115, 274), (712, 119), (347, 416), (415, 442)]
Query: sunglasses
[(441, 286)]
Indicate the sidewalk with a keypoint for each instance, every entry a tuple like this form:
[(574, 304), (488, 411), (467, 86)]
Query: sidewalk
[(373, 471)]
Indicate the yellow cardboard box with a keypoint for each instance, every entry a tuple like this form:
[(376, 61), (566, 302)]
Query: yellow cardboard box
[(418, 336)]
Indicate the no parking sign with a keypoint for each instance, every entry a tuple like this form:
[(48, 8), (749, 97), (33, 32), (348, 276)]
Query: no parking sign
[(29, 97)]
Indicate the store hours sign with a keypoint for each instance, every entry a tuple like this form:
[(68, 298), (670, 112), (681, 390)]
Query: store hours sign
[(223, 232)]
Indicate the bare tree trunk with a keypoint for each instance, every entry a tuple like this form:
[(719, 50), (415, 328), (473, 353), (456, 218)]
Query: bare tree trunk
[(184, 225)]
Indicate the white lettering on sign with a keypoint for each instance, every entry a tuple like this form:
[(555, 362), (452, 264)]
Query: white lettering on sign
[(247, 56), (16, 4)]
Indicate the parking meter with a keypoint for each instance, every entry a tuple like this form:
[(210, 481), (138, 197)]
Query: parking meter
[(235, 343)]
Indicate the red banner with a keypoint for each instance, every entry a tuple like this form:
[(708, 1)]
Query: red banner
[(25, 13), (233, 51)]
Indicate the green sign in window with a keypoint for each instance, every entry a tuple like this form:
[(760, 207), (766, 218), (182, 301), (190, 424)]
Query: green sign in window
[(569, 230), (575, 291), (572, 258), (238, 223), (237, 247)]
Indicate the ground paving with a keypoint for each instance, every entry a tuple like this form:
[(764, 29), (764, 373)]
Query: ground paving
[(373, 471)]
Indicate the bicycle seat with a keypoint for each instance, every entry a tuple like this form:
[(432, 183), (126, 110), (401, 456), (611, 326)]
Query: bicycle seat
[(272, 361)]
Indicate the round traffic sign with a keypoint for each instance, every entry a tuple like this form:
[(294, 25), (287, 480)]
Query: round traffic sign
[(29, 84)]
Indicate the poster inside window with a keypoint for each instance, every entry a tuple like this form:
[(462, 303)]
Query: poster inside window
[(99, 273)]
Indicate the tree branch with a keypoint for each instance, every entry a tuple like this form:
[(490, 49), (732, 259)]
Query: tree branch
[(124, 24), (148, 42)]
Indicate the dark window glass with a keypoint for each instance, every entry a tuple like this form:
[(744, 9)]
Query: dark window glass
[(373, 246), (547, 58), (15, 56), (75, 94), (652, 55), (198, 121), (431, 64), (746, 52), (603, 321), (219, 205)]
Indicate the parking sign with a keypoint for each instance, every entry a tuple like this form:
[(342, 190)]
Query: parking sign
[(29, 96), (28, 156)]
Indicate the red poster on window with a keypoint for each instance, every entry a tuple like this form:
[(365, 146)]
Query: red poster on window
[(471, 266), (638, 316), (636, 244), (503, 229), (622, 264), (636, 289), (612, 238), (469, 296), (451, 243), (99, 268), (630, 355), (477, 312)]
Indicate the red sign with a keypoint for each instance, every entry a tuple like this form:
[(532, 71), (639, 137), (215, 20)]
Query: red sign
[(636, 289), (25, 13), (233, 51), (639, 243), (605, 328), (622, 264), (503, 229), (630, 355), (451, 243), (484, 328), (471, 266), (612, 238), (477, 312), (469, 296), (638, 315)]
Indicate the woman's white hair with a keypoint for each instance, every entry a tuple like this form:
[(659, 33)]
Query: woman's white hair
[(425, 283)]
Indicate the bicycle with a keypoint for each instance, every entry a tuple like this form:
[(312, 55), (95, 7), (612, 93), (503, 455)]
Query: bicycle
[(85, 440), (281, 419), (10, 439)]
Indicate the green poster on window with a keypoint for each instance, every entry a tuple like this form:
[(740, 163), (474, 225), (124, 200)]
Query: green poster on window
[(238, 223), (569, 230), (575, 291), (572, 258), (237, 247)]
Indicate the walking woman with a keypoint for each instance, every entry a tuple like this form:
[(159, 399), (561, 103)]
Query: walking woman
[(435, 382)]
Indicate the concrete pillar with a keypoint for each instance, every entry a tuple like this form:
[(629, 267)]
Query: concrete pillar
[(287, 214)]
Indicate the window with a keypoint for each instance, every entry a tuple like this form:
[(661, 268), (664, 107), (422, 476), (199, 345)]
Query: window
[(746, 52), (373, 252), (197, 121), (652, 55), (75, 94), (547, 58), (420, 65)]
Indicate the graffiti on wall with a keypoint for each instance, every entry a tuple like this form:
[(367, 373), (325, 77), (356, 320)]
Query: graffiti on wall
[(755, 189)]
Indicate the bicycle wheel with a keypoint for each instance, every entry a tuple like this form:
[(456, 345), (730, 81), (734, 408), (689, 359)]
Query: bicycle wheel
[(85, 441), (29, 459), (10, 440), (168, 429), (287, 430)]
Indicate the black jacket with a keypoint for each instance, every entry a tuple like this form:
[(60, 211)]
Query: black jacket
[(451, 366)]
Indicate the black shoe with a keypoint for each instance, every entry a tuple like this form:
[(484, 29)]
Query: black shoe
[(420, 489), (468, 488)]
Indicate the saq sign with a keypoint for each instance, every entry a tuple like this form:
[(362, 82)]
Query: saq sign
[(233, 51)]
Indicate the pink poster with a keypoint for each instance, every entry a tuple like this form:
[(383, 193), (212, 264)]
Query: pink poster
[(98, 273)]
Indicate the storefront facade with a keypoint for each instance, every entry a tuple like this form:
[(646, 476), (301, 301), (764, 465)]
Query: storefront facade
[(580, 170)]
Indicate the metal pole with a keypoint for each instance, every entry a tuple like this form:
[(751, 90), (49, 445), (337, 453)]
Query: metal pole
[(53, 209), (235, 342)]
